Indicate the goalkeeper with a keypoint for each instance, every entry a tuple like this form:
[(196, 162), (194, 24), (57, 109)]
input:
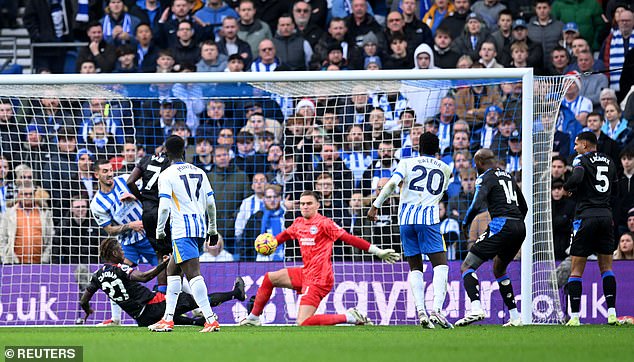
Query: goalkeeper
[(315, 234)]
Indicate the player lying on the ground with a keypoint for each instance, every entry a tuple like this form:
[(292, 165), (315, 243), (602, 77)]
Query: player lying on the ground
[(316, 235), (121, 283), (502, 239)]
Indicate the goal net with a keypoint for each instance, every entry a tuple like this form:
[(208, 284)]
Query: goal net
[(263, 140)]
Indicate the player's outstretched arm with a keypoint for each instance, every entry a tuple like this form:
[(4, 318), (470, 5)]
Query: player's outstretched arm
[(84, 302), (387, 190), (144, 277), (131, 182), (479, 200), (387, 255)]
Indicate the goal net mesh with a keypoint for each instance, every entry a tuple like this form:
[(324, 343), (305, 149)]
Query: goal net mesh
[(262, 145)]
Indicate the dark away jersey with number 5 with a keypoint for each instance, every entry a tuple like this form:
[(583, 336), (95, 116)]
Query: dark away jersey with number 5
[(152, 166), (591, 184)]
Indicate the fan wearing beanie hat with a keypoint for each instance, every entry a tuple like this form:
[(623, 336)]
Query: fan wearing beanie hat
[(573, 100)]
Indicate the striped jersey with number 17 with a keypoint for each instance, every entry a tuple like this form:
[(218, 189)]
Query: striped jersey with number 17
[(425, 179), (188, 188)]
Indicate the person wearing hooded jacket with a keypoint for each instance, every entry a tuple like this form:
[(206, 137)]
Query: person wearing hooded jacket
[(425, 102)]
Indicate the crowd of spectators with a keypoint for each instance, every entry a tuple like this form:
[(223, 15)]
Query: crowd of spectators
[(261, 152)]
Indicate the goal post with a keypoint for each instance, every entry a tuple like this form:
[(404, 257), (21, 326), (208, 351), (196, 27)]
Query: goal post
[(360, 280)]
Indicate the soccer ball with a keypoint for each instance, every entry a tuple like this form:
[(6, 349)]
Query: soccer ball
[(265, 244)]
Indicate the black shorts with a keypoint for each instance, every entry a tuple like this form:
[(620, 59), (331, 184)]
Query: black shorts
[(150, 220), (592, 235), (503, 238), (154, 312)]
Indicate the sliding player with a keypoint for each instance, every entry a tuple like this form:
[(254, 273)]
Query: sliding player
[(502, 239), (316, 235), (423, 181), (121, 283), (186, 194)]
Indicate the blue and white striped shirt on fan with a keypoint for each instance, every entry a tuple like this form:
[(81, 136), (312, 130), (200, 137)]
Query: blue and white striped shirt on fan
[(107, 209), (617, 56)]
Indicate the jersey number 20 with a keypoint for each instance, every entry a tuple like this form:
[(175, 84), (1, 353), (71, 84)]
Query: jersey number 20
[(511, 195), (417, 182)]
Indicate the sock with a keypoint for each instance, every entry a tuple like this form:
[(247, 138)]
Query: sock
[(574, 293), (327, 320), (472, 287), (506, 291), (417, 283), (199, 291), (161, 288), (215, 299), (609, 289), (115, 311), (174, 285), (262, 296), (441, 274)]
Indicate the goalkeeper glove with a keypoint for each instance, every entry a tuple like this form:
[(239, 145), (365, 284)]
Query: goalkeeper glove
[(160, 234), (387, 255)]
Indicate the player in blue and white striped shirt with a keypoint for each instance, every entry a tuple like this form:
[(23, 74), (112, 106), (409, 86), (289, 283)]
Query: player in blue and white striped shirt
[(187, 199), (423, 182), (120, 216)]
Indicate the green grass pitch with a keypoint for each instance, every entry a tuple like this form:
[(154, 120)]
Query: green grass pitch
[(366, 343)]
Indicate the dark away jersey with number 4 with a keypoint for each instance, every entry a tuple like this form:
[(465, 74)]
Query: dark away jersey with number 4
[(114, 280), (496, 189), (591, 183), (152, 166)]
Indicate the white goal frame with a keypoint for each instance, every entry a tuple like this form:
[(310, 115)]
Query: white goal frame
[(523, 74)]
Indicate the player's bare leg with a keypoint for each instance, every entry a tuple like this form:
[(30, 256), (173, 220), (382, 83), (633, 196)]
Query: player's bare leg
[(191, 268), (417, 285), (578, 265), (279, 278), (609, 286), (506, 291), (439, 281), (472, 287)]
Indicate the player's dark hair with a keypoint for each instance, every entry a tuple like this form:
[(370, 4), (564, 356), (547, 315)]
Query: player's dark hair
[(428, 144), (98, 163), (313, 194), (107, 249), (174, 146), (588, 137)]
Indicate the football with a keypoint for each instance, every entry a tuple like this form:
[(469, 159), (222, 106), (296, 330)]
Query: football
[(265, 244)]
